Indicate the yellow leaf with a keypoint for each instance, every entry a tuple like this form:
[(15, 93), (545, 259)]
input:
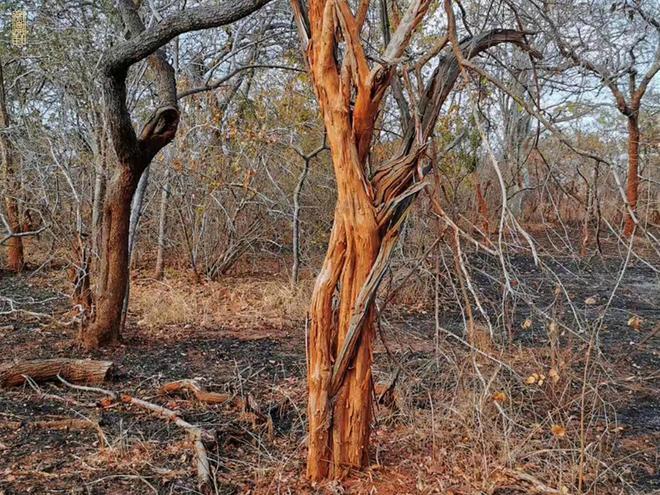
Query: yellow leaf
[(527, 324), (532, 379), (499, 397), (590, 301), (558, 431)]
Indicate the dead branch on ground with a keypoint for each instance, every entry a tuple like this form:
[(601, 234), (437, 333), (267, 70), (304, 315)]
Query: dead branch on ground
[(197, 434)]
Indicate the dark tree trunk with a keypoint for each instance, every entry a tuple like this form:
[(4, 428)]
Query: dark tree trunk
[(114, 263), (135, 153)]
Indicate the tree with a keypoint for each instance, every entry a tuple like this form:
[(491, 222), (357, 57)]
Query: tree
[(614, 42), (15, 260), (373, 200), (134, 153)]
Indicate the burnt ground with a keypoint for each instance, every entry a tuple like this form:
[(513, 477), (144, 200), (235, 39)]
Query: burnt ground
[(260, 428)]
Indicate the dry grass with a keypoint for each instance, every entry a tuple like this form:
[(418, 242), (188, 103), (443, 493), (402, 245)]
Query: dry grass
[(462, 424), (462, 421), (241, 302)]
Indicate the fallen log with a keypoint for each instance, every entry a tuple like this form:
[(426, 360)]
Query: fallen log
[(72, 370)]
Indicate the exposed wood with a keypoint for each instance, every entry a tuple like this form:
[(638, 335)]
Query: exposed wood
[(73, 370), (369, 214)]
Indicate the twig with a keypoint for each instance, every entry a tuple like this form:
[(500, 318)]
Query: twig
[(197, 434)]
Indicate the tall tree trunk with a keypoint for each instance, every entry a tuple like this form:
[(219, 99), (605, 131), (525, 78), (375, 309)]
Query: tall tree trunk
[(632, 188), (373, 201), (15, 259), (162, 223), (339, 420), (114, 266), (135, 153)]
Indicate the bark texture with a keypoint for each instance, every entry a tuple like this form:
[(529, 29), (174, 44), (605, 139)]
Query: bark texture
[(162, 223), (372, 203)]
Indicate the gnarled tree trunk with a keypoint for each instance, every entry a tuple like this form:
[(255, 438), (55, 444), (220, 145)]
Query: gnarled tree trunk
[(369, 214), (339, 420)]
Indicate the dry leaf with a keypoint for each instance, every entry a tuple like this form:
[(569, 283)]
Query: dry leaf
[(635, 322), (535, 378), (558, 431), (499, 397), (527, 324), (591, 300), (554, 375)]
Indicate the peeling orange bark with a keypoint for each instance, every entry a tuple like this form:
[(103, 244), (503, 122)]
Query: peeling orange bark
[(369, 213)]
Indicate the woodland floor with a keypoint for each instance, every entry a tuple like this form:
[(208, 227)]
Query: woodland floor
[(429, 442)]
